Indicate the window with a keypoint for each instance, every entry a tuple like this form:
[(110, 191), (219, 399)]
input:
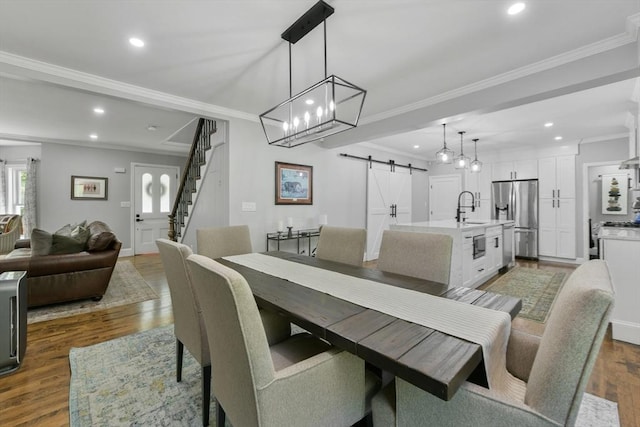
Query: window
[(16, 184)]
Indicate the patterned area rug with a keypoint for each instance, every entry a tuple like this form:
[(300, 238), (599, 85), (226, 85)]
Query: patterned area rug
[(536, 288), (125, 287), (131, 381)]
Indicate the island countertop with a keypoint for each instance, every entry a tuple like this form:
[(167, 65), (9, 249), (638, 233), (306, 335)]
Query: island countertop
[(451, 224), (619, 233)]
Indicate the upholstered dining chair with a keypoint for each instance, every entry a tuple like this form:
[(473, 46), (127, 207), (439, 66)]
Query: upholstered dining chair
[(422, 255), (188, 322), (553, 370), (342, 244), (216, 242), (302, 381)]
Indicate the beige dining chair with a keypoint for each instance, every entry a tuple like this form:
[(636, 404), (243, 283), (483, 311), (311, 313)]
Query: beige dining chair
[(342, 244), (302, 381), (188, 324), (422, 255), (216, 242), (553, 370)]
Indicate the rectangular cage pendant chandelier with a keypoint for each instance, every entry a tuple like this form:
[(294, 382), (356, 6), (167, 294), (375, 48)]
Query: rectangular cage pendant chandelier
[(328, 107)]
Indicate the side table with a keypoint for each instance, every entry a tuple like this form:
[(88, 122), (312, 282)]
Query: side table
[(297, 235)]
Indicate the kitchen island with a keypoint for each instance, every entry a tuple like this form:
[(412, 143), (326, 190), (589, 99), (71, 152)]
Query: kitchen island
[(620, 247), (480, 247)]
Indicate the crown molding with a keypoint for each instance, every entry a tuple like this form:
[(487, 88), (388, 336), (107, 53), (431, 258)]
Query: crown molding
[(614, 42), (633, 25), (90, 82), (180, 150), (603, 138)]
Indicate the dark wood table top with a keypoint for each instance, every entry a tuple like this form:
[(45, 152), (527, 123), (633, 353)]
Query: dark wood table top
[(429, 359)]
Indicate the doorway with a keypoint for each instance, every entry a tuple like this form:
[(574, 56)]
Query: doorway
[(388, 202), (154, 190), (443, 196)]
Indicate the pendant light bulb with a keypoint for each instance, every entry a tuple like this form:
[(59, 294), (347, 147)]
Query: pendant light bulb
[(445, 155), (476, 165), (462, 161)]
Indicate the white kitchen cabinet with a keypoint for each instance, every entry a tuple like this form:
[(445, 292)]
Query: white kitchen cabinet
[(494, 249), (518, 169), (480, 185), (557, 207), (622, 258), (557, 177), (556, 228), (467, 260)]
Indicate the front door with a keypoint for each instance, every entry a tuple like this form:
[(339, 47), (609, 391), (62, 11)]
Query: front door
[(154, 194)]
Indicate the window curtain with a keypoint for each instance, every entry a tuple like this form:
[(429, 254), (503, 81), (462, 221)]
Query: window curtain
[(3, 187), (30, 208)]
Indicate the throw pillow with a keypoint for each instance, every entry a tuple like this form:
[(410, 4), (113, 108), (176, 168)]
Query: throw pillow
[(69, 244), (101, 236), (41, 242)]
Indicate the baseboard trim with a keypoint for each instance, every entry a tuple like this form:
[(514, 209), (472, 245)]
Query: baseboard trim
[(126, 252), (625, 331)]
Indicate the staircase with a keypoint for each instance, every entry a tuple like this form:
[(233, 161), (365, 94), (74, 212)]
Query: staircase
[(187, 192)]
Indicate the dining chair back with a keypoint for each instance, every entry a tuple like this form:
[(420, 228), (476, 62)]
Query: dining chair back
[(188, 325), (216, 242), (559, 366), (301, 381), (342, 244), (422, 255)]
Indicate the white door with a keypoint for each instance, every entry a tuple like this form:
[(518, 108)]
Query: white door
[(154, 194), (443, 196), (388, 201)]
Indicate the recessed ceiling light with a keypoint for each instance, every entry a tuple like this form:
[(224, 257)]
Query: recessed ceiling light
[(558, 138), (309, 102), (152, 128), (93, 136), (134, 41), (516, 8), (98, 110), (548, 124), (416, 146)]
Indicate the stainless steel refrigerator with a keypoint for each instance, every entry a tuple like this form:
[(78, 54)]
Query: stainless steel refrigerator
[(518, 201)]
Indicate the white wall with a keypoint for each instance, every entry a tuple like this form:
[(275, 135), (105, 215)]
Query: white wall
[(59, 162), (339, 183)]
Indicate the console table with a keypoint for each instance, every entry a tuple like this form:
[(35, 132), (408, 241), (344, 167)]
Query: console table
[(297, 235)]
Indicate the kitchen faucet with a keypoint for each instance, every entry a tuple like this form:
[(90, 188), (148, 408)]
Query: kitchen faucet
[(473, 205)]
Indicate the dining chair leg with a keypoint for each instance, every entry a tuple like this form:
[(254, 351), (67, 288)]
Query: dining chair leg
[(179, 353), (206, 394), (220, 415)]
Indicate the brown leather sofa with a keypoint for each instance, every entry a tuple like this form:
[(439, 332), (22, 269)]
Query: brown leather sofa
[(54, 279)]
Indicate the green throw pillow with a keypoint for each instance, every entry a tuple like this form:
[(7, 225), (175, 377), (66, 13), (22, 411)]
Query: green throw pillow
[(40, 242), (69, 244)]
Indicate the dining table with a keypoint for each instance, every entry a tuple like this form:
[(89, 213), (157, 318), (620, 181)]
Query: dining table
[(427, 358)]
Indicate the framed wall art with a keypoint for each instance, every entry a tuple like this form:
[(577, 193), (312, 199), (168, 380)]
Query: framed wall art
[(89, 188), (614, 194), (294, 184)]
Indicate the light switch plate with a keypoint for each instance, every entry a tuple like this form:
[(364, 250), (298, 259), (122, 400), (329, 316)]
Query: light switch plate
[(125, 204), (248, 206)]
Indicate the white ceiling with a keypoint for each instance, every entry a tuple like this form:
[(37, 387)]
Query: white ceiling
[(59, 59)]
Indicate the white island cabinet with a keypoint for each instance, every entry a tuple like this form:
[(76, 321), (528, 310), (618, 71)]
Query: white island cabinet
[(478, 247), (620, 247)]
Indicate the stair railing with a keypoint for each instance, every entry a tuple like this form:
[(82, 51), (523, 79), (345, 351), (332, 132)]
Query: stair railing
[(190, 175)]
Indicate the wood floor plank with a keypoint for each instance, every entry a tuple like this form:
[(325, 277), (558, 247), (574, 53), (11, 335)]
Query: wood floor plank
[(37, 394)]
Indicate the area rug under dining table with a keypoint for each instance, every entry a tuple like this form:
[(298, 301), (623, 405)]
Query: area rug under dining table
[(131, 381)]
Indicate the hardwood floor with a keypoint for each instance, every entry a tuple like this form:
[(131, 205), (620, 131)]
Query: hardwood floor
[(38, 393)]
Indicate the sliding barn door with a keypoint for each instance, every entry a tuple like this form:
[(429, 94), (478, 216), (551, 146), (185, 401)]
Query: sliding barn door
[(388, 202)]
